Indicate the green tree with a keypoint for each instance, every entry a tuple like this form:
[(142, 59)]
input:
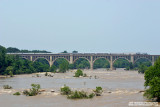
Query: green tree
[(9, 71), (53, 68), (131, 65), (2, 59), (142, 68), (64, 51), (75, 51), (71, 66), (63, 67), (152, 81)]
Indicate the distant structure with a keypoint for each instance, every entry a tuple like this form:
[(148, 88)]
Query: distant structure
[(91, 57)]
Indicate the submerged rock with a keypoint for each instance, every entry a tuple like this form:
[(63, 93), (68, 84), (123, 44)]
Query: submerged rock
[(52, 91), (141, 91), (42, 90)]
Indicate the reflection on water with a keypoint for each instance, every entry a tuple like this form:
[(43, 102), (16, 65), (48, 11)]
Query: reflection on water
[(120, 87)]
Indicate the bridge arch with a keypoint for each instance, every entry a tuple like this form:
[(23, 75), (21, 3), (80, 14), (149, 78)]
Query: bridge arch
[(41, 58), (142, 58), (87, 65), (24, 58), (60, 58), (101, 58), (81, 58), (145, 60), (54, 61), (121, 58)]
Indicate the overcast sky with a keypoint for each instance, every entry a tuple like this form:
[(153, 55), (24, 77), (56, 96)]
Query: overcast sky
[(108, 26)]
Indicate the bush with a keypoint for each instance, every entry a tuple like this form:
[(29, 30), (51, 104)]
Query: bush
[(74, 95), (65, 90), (17, 93), (10, 73), (91, 95), (98, 91), (37, 75), (46, 74), (78, 73), (26, 92), (95, 77), (7, 87), (84, 75), (32, 92), (80, 95)]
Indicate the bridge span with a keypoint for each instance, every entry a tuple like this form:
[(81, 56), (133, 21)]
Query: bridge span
[(91, 57)]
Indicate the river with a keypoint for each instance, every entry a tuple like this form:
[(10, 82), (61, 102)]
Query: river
[(119, 88)]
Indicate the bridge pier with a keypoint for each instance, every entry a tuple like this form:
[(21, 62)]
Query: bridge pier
[(31, 58), (91, 63), (111, 63), (152, 60), (132, 59), (71, 59), (50, 61)]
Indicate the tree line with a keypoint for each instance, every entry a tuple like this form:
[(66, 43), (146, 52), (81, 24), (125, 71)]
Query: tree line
[(16, 50)]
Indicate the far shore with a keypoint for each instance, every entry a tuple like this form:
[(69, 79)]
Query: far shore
[(71, 70)]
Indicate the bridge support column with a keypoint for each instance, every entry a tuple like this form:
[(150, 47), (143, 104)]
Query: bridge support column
[(50, 61), (152, 60), (91, 63), (132, 59), (111, 63), (31, 58), (71, 59)]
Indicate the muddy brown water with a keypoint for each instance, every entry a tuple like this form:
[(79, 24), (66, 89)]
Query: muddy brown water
[(120, 87)]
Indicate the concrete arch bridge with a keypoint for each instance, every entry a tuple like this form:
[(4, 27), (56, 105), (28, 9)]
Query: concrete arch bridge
[(91, 57)]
